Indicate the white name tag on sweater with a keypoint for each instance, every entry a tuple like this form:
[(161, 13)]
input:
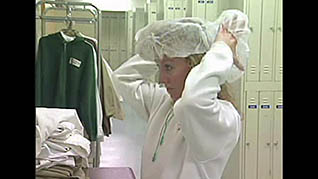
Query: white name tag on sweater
[(75, 62)]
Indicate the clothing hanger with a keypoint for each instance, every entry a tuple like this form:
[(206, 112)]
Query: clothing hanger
[(69, 31)]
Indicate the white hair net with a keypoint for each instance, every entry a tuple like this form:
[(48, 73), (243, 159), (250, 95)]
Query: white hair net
[(237, 23), (192, 35)]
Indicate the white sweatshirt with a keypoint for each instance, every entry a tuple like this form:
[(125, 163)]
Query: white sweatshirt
[(200, 136)]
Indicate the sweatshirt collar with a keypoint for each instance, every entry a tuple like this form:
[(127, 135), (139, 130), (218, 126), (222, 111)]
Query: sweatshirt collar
[(66, 39)]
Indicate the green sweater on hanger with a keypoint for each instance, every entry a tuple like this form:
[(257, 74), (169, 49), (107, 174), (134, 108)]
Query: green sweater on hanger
[(65, 78)]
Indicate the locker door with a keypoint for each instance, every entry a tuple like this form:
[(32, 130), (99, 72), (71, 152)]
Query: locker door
[(169, 9), (122, 38), (251, 125), (265, 135), (114, 40), (185, 7), (267, 40), (279, 48), (105, 40), (178, 10), (254, 7), (152, 12), (130, 32), (139, 20), (211, 10), (277, 136), (199, 10)]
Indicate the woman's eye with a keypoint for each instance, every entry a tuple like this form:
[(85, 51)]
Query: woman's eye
[(168, 67)]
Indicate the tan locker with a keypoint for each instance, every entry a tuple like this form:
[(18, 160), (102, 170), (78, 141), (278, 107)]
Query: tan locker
[(114, 40), (185, 7), (199, 8), (117, 37), (279, 47), (255, 16), (251, 129), (105, 32), (277, 136), (152, 12), (175, 9), (206, 9), (169, 9), (211, 10), (139, 21), (130, 32), (122, 38), (265, 135), (178, 13), (267, 40)]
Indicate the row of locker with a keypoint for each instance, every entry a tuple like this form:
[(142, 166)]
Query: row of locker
[(206, 9), (172, 9), (265, 63), (265, 17), (263, 135)]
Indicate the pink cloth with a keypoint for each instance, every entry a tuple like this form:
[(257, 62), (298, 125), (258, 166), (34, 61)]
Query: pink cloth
[(111, 173)]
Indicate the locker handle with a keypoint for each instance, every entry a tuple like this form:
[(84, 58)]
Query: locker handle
[(251, 29), (268, 143), (247, 144), (279, 29), (272, 29), (276, 143)]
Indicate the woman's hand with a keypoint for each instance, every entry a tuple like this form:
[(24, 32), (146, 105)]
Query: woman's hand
[(230, 40)]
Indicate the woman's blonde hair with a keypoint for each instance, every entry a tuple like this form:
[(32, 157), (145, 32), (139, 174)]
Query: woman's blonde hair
[(226, 90)]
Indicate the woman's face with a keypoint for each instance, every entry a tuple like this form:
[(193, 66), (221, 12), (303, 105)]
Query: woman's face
[(173, 73)]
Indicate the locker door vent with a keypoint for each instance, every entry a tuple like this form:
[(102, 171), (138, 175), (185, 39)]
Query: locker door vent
[(279, 104), (281, 70), (265, 103), (253, 69), (265, 100), (252, 103), (266, 69), (252, 100)]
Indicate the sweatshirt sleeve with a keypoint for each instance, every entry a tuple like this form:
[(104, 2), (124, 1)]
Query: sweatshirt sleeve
[(132, 81), (209, 125), (38, 75)]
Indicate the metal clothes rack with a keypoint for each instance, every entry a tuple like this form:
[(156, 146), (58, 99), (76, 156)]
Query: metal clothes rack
[(70, 7)]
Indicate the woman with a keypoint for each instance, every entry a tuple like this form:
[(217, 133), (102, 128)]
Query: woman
[(191, 133)]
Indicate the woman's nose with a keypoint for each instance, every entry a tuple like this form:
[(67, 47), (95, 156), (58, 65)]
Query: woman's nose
[(163, 78)]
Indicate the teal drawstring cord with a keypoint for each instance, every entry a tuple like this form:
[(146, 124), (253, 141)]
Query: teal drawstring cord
[(163, 133)]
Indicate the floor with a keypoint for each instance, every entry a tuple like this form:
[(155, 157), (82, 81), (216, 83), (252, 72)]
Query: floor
[(123, 147)]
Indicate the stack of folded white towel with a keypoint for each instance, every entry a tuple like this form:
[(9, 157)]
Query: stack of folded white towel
[(61, 149)]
